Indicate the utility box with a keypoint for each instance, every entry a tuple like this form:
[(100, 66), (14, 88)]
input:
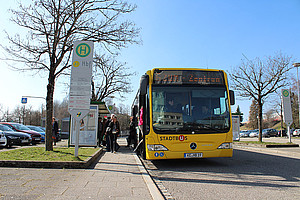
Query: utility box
[(236, 127)]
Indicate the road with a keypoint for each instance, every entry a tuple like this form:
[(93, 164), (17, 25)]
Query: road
[(247, 175)]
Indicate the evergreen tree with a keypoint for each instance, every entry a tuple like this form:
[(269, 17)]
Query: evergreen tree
[(295, 110), (238, 112), (253, 115)]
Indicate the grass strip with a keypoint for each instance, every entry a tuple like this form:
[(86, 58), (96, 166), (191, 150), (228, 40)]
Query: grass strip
[(39, 154)]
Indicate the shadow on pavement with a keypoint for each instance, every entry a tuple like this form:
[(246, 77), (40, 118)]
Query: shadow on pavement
[(272, 171)]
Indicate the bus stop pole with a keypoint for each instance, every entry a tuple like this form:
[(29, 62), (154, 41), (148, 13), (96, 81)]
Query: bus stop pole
[(289, 134), (77, 137)]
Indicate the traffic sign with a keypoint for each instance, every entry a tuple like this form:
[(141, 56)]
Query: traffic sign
[(81, 74), (287, 108), (24, 100), (110, 107)]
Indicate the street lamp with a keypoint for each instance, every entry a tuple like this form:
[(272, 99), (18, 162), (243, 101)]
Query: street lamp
[(298, 65)]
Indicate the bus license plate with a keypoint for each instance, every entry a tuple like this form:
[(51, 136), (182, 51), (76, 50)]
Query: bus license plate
[(193, 155)]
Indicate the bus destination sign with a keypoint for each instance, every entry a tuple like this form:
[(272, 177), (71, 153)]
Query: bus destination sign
[(188, 77)]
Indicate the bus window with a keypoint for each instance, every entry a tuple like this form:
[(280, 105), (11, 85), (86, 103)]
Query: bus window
[(191, 107)]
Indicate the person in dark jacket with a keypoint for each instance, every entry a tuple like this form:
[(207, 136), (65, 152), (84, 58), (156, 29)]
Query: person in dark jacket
[(104, 130), (107, 133), (113, 130), (54, 130), (132, 138), (100, 131)]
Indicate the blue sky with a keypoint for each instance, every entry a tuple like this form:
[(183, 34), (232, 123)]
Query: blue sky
[(193, 33)]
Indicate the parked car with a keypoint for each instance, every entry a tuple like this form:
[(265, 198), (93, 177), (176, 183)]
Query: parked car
[(253, 133), (15, 138), (269, 132), (59, 136), (284, 132), (244, 133), (39, 130), (296, 132), (3, 140), (35, 136), (281, 133)]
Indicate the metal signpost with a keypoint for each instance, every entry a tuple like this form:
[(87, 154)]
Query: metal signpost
[(287, 110), (80, 85)]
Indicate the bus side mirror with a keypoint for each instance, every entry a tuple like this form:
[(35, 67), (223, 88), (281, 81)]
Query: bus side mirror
[(231, 95), (143, 84)]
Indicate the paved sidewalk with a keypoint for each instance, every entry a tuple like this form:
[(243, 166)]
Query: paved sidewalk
[(291, 152), (124, 176), (114, 176)]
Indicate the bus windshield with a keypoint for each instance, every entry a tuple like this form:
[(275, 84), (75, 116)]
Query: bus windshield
[(190, 109)]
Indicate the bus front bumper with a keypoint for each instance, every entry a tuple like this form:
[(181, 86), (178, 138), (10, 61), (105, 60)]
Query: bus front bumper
[(160, 155)]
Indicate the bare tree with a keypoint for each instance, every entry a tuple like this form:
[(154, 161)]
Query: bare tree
[(110, 77), (271, 118), (61, 109), (2, 112), (53, 26), (33, 117), (257, 79), (18, 114), (123, 116), (6, 116)]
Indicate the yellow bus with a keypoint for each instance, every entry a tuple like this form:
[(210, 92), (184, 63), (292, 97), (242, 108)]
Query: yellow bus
[(183, 113)]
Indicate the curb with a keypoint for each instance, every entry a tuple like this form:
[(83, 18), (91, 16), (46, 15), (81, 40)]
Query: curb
[(281, 145), (265, 145), (51, 164), (154, 191)]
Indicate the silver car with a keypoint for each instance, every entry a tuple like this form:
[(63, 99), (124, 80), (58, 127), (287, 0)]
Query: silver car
[(3, 140), (244, 133), (296, 132), (253, 133)]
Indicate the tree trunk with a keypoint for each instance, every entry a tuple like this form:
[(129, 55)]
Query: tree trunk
[(49, 111), (260, 120)]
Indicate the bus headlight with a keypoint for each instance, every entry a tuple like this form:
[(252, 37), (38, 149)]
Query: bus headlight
[(156, 147), (227, 145)]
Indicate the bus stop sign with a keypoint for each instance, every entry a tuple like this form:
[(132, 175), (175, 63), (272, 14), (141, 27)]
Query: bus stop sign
[(287, 108), (80, 84)]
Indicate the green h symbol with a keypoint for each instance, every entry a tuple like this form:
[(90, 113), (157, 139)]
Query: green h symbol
[(83, 50)]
